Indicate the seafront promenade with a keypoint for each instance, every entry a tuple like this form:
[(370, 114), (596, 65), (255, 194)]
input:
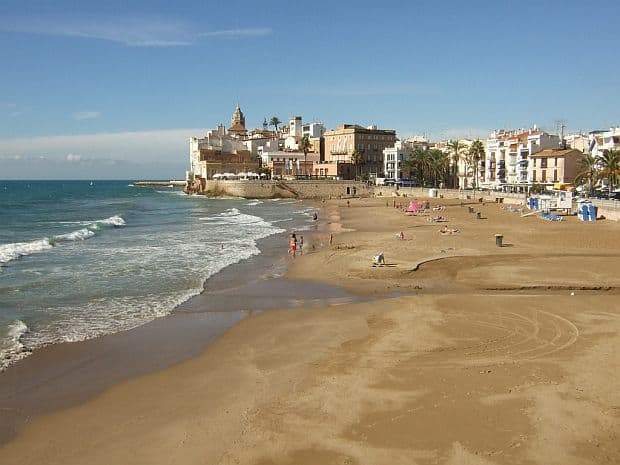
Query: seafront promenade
[(320, 189), (460, 352)]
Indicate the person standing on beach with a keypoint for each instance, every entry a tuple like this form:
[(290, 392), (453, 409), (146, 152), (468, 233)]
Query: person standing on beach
[(292, 245), (301, 245)]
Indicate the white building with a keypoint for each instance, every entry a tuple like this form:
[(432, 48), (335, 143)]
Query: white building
[(313, 130), (393, 158), (297, 131), (507, 156), (258, 144), (579, 142), (216, 140), (604, 140)]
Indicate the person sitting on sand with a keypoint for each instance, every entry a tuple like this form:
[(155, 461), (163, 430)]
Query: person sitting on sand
[(378, 259), (446, 230)]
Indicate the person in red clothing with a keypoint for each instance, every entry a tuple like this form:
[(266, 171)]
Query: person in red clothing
[(292, 245)]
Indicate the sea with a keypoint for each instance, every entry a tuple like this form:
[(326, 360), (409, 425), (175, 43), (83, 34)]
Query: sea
[(81, 259)]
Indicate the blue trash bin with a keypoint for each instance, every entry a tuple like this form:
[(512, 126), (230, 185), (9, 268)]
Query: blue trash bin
[(592, 212), (583, 214)]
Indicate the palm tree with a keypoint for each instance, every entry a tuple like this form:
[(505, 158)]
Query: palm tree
[(305, 146), (589, 172), (439, 166), (357, 158), (609, 163), (455, 146), (419, 165), (275, 122), (476, 152)]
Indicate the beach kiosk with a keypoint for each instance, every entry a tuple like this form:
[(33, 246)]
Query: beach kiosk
[(586, 211)]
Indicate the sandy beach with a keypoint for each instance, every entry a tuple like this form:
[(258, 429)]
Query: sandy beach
[(454, 352)]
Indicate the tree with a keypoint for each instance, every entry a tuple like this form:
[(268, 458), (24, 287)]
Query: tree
[(609, 165), (305, 145), (456, 147), (589, 172), (419, 165), (476, 153), (439, 166), (357, 158), (275, 122)]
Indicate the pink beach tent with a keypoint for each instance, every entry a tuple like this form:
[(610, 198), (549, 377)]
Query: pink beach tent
[(414, 207)]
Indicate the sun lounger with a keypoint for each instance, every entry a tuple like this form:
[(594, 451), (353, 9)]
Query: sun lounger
[(551, 217)]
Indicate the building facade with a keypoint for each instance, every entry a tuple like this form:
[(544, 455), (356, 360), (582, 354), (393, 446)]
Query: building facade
[(554, 166), (508, 153), (604, 140), (217, 153), (285, 163), (341, 143)]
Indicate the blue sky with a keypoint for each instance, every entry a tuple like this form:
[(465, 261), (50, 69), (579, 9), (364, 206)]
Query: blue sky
[(117, 87)]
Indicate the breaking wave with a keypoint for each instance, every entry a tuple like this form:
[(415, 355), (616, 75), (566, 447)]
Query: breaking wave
[(13, 251)]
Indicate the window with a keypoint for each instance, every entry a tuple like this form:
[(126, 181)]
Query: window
[(555, 175), (543, 162), (543, 176), (534, 176)]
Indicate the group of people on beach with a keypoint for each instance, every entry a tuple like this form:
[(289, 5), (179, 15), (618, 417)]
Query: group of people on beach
[(295, 244)]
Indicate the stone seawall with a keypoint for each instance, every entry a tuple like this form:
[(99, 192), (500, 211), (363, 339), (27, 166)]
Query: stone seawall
[(298, 189)]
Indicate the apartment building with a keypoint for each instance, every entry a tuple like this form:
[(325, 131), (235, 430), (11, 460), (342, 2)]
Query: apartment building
[(508, 153), (554, 166), (369, 142), (604, 140)]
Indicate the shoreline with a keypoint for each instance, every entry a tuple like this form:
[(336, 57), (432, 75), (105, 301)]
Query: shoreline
[(32, 386), (521, 377)]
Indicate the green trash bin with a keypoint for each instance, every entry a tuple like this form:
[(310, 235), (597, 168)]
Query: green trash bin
[(499, 239)]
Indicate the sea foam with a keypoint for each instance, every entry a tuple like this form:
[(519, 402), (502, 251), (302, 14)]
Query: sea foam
[(15, 250), (12, 348), (10, 252)]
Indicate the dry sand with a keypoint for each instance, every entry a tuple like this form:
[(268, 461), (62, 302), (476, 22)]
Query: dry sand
[(468, 354)]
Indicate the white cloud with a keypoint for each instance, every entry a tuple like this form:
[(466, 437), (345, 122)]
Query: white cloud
[(130, 31), (82, 115), (141, 154)]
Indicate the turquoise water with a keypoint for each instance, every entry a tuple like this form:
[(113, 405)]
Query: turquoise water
[(79, 260)]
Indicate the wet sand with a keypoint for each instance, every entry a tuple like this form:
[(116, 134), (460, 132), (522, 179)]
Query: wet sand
[(489, 356)]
